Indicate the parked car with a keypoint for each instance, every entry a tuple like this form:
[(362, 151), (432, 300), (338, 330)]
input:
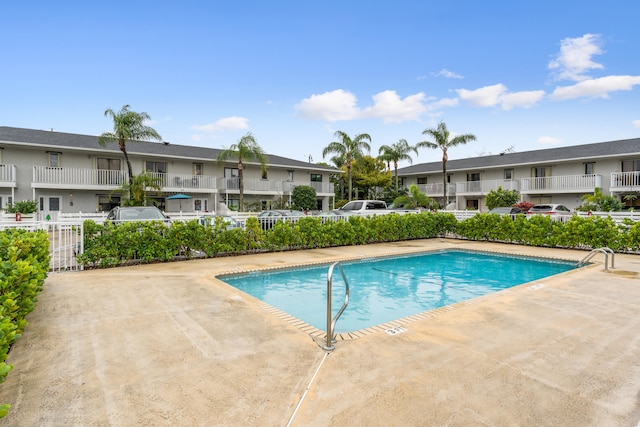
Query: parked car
[(121, 214), (267, 219), (557, 212), (507, 211), (230, 221)]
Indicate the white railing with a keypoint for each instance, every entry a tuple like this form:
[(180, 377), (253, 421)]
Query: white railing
[(250, 185), (617, 217), (625, 181), (7, 173), (561, 184), (434, 189), (179, 182), (485, 186), (320, 187), (77, 177), (270, 186), (103, 178)]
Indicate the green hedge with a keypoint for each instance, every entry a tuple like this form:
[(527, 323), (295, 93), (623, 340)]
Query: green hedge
[(24, 266), (540, 230), (112, 245)]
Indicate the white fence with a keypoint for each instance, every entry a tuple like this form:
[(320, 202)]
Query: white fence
[(66, 241)]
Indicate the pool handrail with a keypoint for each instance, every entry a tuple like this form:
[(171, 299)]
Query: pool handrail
[(331, 323), (604, 250)]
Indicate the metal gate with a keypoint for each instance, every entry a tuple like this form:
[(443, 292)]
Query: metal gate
[(66, 241)]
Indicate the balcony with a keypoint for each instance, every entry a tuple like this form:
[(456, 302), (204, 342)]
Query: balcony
[(8, 176), (481, 188), (186, 183), (435, 190), (625, 182), (560, 184), (251, 186), (324, 188), (102, 179), (269, 187)]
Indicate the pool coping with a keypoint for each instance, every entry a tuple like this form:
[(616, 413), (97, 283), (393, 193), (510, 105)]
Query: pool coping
[(397, 325)]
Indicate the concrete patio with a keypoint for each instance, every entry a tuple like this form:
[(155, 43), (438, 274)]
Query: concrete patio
[(170, 345)]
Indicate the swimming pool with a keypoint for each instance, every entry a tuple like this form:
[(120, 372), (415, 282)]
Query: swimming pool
[(390, 288)]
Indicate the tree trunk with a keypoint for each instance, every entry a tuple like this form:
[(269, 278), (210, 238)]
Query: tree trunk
[(349, 178), (129, 169), (241, 186)]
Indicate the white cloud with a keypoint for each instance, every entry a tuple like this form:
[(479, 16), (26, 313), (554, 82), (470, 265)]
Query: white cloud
[(574, 58), (549, 140), (448, 74), (224, 124), (636, 123), (392, 109), (343, 105), (597, 88), (331, 106), (487, 96), (498, 95), (524, 99)]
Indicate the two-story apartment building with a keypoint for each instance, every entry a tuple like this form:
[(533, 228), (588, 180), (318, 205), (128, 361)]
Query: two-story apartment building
[(556, 175), (67, 172)]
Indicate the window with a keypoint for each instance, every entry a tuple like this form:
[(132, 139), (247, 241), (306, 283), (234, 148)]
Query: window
[(264, 174), (630, 165), (508, 174), (233, 203), (589, 168), (422, 181), (472, 204), (473, 181), (540, 172), (316, 177), (200, 205), (54, 160), (289, 175), (231, 177), (158, 167), (49, 203), (197, 168), (109, 164), (106, 203), (108, 171)]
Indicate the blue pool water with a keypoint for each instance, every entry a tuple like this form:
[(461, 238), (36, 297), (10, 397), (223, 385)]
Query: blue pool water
[(386, 289)]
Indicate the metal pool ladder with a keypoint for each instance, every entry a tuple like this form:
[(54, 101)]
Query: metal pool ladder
[(331, 323), (606, 251)]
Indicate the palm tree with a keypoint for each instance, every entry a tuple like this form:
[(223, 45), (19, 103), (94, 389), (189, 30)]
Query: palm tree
[(138, 187), (348, 149), (338, 162), (396, 152), (128, 126), (246, 149), (442, 141)]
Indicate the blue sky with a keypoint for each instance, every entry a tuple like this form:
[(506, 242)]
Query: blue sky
[(519, 75)]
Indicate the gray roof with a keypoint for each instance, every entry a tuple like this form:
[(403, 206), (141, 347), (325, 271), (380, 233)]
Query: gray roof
[(611, 149), (51, 139)]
